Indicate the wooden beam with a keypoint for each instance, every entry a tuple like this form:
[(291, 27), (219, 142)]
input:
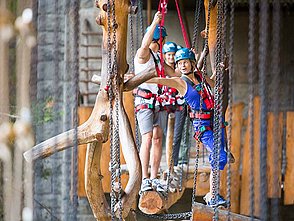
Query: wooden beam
[(206, 213), (289, 176), (149, 12), (237, 126)]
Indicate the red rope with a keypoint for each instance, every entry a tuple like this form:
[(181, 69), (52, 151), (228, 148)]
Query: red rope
[(162, 7), (182, 26)]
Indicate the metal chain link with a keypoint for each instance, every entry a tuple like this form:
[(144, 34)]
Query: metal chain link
[(263, 43), (275, 88), (140, 8), (75, 69), (110, 94), (201, 101), (218, 115), (230, 101), (171, 216), (195, 41), (251, 69)]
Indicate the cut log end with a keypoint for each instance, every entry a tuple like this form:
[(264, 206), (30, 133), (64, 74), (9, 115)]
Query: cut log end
[(151, 202), (28, 156)]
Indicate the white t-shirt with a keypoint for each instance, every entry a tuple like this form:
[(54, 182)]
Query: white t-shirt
[(151, 87)]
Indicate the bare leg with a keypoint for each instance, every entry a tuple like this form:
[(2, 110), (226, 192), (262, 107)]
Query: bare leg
[(145, 153), (156, 151)]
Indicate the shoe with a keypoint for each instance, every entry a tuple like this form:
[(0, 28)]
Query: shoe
[(219, 201), (158, 187), (146, 185)]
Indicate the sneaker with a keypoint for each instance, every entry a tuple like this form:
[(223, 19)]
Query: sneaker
[(158, 187), (219, 201), (146, 185)]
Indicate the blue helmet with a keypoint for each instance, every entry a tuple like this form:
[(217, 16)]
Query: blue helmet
[(169, 47), (156, 34), (184, 53)]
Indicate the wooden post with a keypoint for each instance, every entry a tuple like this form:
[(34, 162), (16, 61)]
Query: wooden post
[(169, 141), (149, 12), (289, 176)]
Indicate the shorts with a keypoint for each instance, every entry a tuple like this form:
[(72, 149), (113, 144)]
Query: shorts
[(148, 119)]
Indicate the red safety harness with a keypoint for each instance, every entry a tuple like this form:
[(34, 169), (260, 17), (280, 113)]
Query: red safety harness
[(204, 92)]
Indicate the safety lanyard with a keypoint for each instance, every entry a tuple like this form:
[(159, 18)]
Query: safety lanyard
[(162, 7), (182, 26)]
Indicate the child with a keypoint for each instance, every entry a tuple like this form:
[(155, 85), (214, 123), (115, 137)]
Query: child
[(187, 86)]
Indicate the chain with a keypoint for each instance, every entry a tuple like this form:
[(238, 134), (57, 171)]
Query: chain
[(132, 69), (195, 42), (75, 64), (140, 8), (218, 91), (110, 94), (251, 69), (230, 102), (263, 38), (201, 101), (275, 88), (117, 101), (171, 216)]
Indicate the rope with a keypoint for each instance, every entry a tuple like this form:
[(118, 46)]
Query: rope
[(263, 43), (251, 69), (187, 43), (162, 7)]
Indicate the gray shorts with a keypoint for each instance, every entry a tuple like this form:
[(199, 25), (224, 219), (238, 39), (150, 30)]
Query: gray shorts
[(148, 118)]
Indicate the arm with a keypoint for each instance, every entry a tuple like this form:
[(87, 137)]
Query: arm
[(143, 53), (174, 82)]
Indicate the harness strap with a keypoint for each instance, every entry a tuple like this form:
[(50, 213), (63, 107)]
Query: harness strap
[(199, 115), (143, 93), (198, 134), (182, 26), (144, 106)]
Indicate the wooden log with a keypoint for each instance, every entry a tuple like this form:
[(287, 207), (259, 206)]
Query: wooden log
[(93, 183), (96, 128), (206, 213), (212, 32), (139, 78), (152, 202), (237, 125), (169, 141), (289, 176)]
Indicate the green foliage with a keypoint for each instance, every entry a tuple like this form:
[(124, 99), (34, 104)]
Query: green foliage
[(44, 112), (46, 173)]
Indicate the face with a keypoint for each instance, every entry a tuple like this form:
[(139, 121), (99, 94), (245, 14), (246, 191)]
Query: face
[(185, 66), (169, 57)]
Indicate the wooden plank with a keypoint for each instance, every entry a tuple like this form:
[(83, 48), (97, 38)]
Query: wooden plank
[(206, 213), (274, 154), (289, 176), (245, 182), (237, 124)]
